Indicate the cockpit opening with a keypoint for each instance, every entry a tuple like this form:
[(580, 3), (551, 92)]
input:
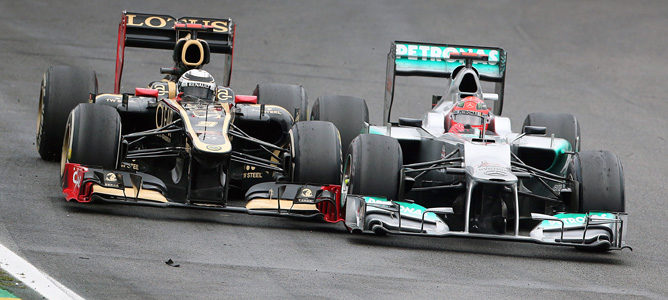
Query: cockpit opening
[(468, 84)]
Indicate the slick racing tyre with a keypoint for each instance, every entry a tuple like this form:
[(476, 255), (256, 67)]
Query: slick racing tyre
[(600, 182), (92, 137), (600, 185), (562, 125), (373, 167), (348, 114), (62, 88), (289, 96), (316, 153)]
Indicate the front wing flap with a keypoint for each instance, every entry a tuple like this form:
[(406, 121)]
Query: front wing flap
[(82, 184), (302, 199)]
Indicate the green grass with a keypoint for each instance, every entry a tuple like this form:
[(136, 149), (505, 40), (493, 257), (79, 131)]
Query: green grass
[(7, 281)]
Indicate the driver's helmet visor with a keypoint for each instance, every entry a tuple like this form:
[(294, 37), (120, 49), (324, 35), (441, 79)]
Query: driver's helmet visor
[(197, 92), (472, 120)]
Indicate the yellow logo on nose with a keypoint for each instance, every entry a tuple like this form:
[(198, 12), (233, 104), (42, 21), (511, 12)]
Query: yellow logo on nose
[(307, 193)]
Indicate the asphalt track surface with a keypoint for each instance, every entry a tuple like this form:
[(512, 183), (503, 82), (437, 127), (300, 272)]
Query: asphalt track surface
[(604, 61)]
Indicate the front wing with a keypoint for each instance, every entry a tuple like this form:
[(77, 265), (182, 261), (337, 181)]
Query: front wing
[(595, 230), (86, 184)]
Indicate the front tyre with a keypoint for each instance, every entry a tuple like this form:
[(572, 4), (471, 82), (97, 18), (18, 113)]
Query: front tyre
[(92, 137), (373, 167), (316, 153), (600, 182), (599, 186)]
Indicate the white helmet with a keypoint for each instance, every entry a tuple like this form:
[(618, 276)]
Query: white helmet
[(197, 84)]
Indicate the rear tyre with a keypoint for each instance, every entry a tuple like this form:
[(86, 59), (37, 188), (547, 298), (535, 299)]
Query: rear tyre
[(373, 167), (62, 88), (316, 153), (562, 125), (348, 114), (289, 96), (92, 137), (600, 182)]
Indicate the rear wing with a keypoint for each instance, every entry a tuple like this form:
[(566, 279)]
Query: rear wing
[(158, 32), (433, 60)]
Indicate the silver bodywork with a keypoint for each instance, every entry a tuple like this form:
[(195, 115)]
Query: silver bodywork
[(484, 163), (483, 160)]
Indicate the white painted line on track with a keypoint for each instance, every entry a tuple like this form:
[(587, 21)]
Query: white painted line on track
[(32, 277)]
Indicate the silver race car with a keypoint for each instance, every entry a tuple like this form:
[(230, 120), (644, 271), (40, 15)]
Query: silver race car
[(460, 171)]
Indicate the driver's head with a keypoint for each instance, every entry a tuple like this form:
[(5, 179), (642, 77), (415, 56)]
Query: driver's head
[(197, 84), (469, 111)]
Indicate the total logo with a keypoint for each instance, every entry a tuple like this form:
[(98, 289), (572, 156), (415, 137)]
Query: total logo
[(77, 176), (437, 53)]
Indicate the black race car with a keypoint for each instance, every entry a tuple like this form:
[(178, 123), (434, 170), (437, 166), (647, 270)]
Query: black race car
[(183, 141)]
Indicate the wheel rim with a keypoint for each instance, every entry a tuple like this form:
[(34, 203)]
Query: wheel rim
[(345, 182), (40, 113), (292, 154), (66, 150)]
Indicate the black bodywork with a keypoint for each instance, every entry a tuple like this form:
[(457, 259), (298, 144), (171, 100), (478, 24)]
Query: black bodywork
[(155, 142), (187, 152)]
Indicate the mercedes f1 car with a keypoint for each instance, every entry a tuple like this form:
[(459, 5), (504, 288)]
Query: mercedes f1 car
[(460, 171), (184, 141)]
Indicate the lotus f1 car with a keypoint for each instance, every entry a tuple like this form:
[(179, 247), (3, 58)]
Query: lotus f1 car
[(162, 146), (461, 172)]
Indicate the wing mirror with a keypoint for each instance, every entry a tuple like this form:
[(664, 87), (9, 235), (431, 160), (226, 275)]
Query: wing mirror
[(538, 130), (490, 96), (410, 122)]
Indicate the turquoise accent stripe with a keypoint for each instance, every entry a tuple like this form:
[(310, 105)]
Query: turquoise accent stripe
[(560, 157), (572, 220), (433, 58), (407, 209), (377, 130), (407, 64)]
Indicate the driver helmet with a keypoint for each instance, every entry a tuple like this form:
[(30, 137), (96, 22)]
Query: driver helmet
[(197, 84), (471, 111)]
